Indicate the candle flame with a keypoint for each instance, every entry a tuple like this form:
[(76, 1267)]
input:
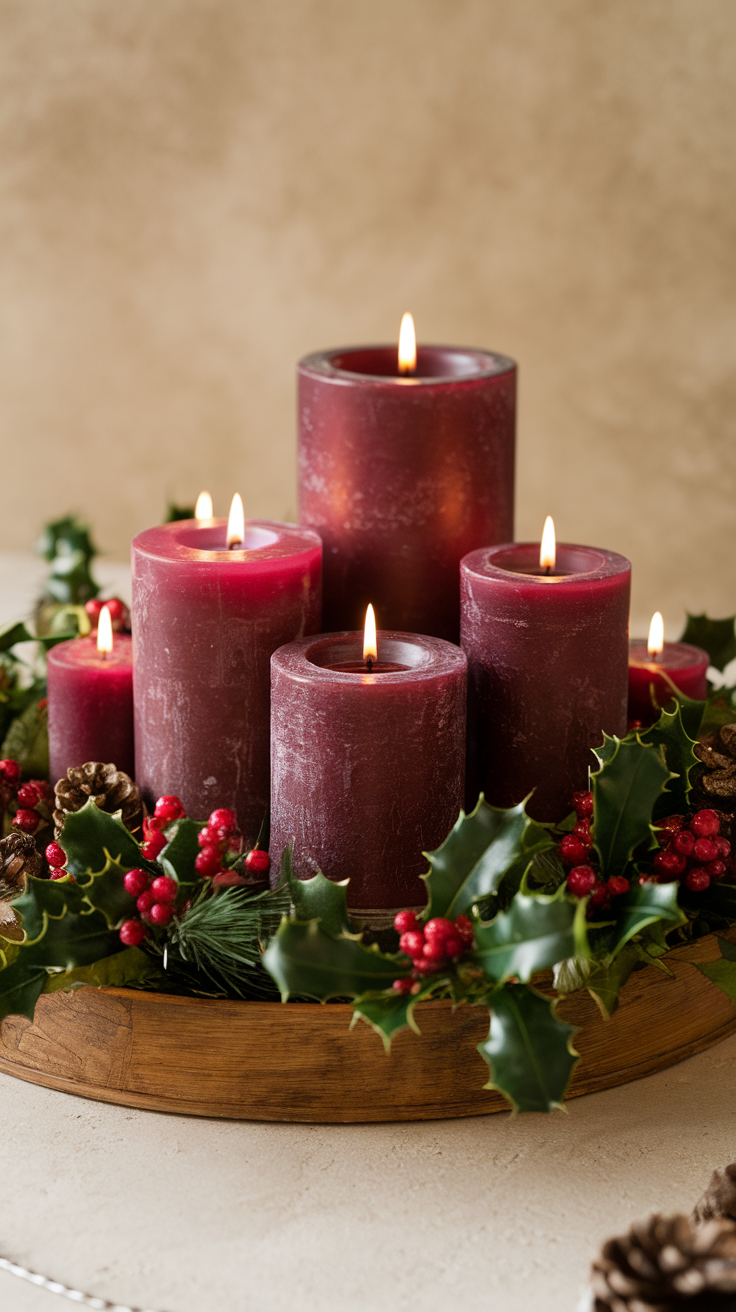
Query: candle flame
[(203, 508), (236, 523), (370, 646), (548, 548), (104, 631), (655, 641), (407, 346)]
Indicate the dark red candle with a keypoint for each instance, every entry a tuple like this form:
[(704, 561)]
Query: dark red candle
[(90, 696), (547, 669), (367, 770), (658, 670), (205, 622), (402, 475)]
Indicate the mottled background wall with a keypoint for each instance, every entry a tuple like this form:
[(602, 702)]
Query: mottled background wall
[(196, 192)]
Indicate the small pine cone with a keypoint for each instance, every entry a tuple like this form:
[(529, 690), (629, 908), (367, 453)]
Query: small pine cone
[(719, 1198), (19, 858), (666, 1263), (111, 789), (715, 781)]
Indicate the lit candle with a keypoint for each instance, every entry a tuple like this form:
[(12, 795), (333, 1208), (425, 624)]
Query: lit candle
[(211, 601), (203, 508), (367, 761), (90, 700), (545, 630), (659, 670), (406, 463)]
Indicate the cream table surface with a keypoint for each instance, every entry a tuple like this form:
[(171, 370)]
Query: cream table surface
[(497, 1213)]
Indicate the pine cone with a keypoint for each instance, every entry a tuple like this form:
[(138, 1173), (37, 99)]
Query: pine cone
[(19, 858), (111, 789), (664, 1264), (716, 780), (719, 1198)]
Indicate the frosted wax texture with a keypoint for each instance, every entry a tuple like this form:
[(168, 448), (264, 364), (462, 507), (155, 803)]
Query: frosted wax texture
[(367, 770), (684, 665), (401, 476), (90, 701), (547, 670), (205, 622)]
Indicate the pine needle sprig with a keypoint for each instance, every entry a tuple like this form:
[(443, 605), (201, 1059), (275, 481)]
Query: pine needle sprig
[(221, 937)]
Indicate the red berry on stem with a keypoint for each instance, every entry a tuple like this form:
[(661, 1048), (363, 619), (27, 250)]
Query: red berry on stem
[(669, 864), (412, 942), (223, 818), (423, 966), (257, 861), (55, 855), (403, 985), (132, 932), (145, 901), (161, 913), (438, 929), (10, 770), (454, 948), (152, 825), (698, 880), (434, 949), (93, 608), (136, 882), (164, 889), (583, 805), (464, 928), (705, 849), (683, 843), (600, 897), (26, 821), (117, 608), (705, 824), (62, 874), (405, 920), (152, 846), (724, 847), (208, 861), (618, 885), (667, 828), (582, 831), (29, 794), (168, 808), (206, 837), (581, 881), (572, 851), (715, 869)]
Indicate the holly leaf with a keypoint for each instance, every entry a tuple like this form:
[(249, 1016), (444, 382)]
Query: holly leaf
[(718, 900), (178, 857), (717, 637), (643, 905), (21, 985), (722, 973), (27, 740), (44, 900), (132, 968), (307, 962), (476, 855), (625, 790), (529, 1050), (720, 709), (13, 633), (608, 978), (387, 1013), (318, 898), (91, 837), (105, 891), (535, 933), (675, 748)]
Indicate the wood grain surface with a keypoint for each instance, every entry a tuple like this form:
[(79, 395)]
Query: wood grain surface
[(301, 1062)]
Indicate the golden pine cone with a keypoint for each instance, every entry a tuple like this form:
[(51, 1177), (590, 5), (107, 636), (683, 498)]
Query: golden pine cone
[(112, 790), (664, 1264), (19, 859)]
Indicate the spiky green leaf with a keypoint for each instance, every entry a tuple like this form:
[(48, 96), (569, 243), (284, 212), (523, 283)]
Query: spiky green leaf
[(717, 637), (722, 973), (27, 740), (625, 790), (318, 899), (608, 978), (529, 1050), (675, 748), (478, 852), (535, 933), (91, 837), (387, 1013), (179, 855), (307, 962), (643, 905), (132, 968)]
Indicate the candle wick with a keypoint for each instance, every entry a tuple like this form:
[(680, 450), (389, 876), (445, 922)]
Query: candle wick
[(369, 663), (548, 569)]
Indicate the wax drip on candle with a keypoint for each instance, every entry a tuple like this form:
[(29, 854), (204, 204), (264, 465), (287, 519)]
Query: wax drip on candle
[(407, 346), (548, 547), (236, 524), (370, 645), (203, 508), (104, 632), (655, 641)]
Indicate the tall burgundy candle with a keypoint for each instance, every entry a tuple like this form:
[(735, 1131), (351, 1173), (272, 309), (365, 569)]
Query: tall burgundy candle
[(90, 696), (403, 475), (547, 669), (367, 769), (205, 622)]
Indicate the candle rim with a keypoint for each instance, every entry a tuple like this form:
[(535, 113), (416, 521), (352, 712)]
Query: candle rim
[(695, 656), (161, 542), (438, 657), (483, 563), (328, 363)]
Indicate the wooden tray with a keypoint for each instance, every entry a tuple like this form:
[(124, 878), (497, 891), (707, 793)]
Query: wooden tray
[(268, 1062)]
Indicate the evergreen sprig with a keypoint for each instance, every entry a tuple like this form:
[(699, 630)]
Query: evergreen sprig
[(222, 936)]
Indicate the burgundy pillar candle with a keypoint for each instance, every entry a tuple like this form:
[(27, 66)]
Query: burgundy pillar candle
[(90, 705), (659, 669), (205, 622), (401, 475), (547, 669), (367, 770)]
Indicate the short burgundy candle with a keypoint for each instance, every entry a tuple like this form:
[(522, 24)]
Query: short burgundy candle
[(205, 622), (402, 475), (547, 669), (90, 705), (685, 666), (367, 770)]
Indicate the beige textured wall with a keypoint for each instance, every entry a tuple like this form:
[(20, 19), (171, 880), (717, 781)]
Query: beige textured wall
[(196, 192)]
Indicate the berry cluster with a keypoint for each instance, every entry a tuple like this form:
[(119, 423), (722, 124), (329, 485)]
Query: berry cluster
[(154, 899), (220, 839), (576, 852), (692, 851), (119, 613), (432, 947), (29, 797), (56, 857)]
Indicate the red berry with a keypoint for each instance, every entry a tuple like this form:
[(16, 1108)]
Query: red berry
[(412, 942), (164, 889), (403, 985), (207, 862), (582, 831), (423, 966), (206, 837), (29, 794), (583, 805), (697, 881), (145, 901), (581, 881), (600, 897), (572, 851), (683, 843), (434, 949), (93, 608), (62, 875), (223, 818), (26, 821), (705, 824), (228, 879), (438, 929), (168, 808), (705, 850), (152, 825), (724, 847), (136, 882), (161, 913), (404, 920), (454, 948), (132, 932), (618, 885), (669, 864), (117, 608), (257, 861), (672, 824), (465, 929), (152, 846), (10, 770), (55, 855), (715, 869)]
